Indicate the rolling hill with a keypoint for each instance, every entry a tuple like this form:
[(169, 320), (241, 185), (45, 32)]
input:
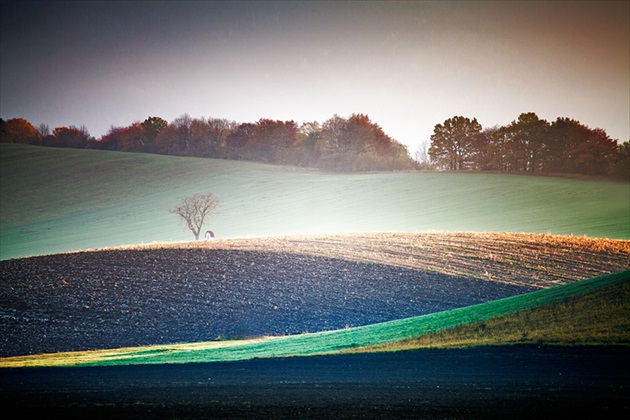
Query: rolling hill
[(201, 292), (59, 200), (281, 227), (399, 334)]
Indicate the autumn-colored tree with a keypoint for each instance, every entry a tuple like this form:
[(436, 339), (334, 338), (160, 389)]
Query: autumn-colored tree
[(71, 137), (369, 134), (527, 143), (176, 136), (236, 141), (620, 168), (358, 144), (564, 135), (340, 144), (18, 130), (199, 139), (123, 139), (397, 158), (272, 141), (195, 211), (108, 141), (490, 149), (596, 153), (452, 143), (575, 148), (379, 151)]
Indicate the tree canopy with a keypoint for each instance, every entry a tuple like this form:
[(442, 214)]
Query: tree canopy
[(528, 144), (452, 142), (355, 143)]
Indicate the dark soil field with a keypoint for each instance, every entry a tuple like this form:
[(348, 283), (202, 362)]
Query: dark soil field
[(484, 383), (112, 299)]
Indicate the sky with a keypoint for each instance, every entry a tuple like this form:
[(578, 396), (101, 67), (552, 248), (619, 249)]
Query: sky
[(407, 65)]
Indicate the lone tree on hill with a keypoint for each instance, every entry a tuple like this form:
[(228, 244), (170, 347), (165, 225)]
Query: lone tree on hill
[(196, 209)]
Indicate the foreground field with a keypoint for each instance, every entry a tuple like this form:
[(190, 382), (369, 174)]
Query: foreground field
[(491, 382), (60, 200), (608, 326), (600, 317)]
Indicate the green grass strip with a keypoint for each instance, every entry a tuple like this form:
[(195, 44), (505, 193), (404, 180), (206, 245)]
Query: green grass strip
[(338, 340)]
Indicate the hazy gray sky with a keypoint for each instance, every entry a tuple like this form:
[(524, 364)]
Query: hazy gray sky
[(408, 65)]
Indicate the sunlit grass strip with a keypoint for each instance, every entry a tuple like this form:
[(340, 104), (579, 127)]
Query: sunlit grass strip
[(80, 358), (318, 343), (597, 318)]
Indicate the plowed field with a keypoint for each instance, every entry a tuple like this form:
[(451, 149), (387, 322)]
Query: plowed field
[(188, 292)]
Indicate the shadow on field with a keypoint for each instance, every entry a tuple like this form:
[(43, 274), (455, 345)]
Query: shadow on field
[(493, 382)]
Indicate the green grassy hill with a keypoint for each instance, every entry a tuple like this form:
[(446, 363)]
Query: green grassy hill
[(584, 304), (56, 200)]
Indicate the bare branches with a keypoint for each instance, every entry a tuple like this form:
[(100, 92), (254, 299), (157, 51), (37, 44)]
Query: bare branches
[(194, 211)]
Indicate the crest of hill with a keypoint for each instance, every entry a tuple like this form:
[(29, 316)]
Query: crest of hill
[(536, 260), (60, 200)]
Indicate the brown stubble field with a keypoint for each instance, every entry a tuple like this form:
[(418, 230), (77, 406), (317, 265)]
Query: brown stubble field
[(535, 260)]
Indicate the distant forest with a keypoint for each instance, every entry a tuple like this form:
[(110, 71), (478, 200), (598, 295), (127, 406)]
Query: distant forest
[(357, 144)]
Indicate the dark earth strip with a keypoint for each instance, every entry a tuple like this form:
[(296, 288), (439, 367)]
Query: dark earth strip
[(111, 299), (491, 382)]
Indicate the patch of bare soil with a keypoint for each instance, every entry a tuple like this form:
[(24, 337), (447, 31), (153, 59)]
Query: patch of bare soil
[(117, 298)]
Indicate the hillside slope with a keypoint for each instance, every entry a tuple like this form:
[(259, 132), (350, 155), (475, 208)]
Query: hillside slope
[(113, 299), (191, 292), (58, 200), (359, 338), (600, 317)]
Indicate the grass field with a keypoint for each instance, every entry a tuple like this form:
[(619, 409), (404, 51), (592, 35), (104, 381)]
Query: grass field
[(579, 302), (58, 200)]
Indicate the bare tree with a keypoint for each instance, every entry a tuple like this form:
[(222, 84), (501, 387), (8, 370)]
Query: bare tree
[(43, 129), (422, 158), (194, 211)]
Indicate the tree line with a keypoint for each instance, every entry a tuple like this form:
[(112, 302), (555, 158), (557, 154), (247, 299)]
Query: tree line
[(339, 144), (528, 144)]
